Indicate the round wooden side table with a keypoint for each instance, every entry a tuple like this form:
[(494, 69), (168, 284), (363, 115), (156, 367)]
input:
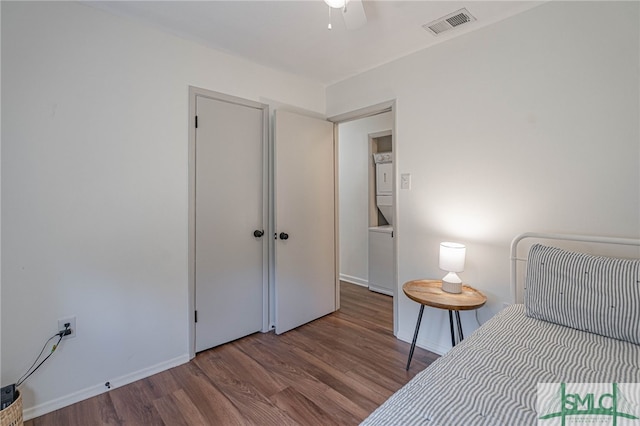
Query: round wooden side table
[(430, 293)]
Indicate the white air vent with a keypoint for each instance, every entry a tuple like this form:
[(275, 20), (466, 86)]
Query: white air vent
[(449, 22)]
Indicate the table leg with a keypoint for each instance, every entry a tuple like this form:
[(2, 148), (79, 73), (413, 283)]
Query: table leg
[(460, 336), (415, 336), (453, 336)]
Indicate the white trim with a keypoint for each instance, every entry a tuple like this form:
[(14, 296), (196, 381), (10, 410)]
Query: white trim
[(81, 395), (266, 167), (425, 344), (363, 112), (336, 218), (381, 290), (354, 280)]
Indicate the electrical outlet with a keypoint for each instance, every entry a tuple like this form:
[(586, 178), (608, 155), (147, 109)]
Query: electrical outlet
[(72, 326)]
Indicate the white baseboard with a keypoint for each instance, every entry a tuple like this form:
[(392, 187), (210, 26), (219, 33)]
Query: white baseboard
[(381, 290), (425, 344), (354, 280), (72, 398)]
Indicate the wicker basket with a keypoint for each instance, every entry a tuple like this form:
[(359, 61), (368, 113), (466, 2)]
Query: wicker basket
[(12, 415)]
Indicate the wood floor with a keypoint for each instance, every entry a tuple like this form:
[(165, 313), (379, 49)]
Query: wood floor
[(333, 371)]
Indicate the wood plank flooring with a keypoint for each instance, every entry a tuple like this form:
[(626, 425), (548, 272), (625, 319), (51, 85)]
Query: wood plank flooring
[(333, 371)]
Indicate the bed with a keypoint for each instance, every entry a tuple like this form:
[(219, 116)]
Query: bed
[(491, 377)]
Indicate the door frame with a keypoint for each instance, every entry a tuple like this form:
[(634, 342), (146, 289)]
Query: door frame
[(388, 106), (193, 93)]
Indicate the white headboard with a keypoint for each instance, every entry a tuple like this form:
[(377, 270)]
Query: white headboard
[(590, 239)]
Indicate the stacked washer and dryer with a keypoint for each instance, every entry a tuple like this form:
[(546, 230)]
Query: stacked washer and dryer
[(381, 237)]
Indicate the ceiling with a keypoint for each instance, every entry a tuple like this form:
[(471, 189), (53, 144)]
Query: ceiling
[(292, 36)]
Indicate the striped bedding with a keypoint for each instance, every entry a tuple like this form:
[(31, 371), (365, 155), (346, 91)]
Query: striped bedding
[(490, 378), (597, 294)]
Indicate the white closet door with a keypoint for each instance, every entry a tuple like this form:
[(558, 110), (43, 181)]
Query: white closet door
[(228, 209), (305, 275)]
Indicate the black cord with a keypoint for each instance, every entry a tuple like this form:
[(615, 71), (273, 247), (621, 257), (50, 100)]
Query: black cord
[(22, 378), (38, 357)]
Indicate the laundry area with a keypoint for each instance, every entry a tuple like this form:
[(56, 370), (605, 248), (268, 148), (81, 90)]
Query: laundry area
[(381, 233), (366, 187)]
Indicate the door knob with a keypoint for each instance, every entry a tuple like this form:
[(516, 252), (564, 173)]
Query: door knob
[(258, 233), (284, 236)]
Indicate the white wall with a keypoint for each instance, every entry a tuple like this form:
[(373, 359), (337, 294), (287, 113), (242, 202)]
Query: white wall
[(95, 191), (354, 160), (527, 125)]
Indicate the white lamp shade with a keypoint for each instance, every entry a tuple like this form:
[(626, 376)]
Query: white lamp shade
[(336, 4), (452, 256)]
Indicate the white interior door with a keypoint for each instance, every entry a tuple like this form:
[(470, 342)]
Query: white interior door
[(305, 262), (229, 207)]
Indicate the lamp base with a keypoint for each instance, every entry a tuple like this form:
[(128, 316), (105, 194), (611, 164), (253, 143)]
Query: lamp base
[(451, 287)]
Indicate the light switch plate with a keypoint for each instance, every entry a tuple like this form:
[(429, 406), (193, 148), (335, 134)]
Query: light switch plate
[(405, 181)]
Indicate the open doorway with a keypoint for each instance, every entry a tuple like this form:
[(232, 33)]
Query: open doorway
[(367, 200)]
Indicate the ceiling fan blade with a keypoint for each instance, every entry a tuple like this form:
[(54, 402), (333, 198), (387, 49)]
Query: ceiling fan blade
[(354, 16)]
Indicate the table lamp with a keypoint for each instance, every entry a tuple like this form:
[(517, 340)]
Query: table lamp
[(452, 260)]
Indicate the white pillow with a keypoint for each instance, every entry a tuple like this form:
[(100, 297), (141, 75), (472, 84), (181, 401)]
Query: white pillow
[(597, 294)]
